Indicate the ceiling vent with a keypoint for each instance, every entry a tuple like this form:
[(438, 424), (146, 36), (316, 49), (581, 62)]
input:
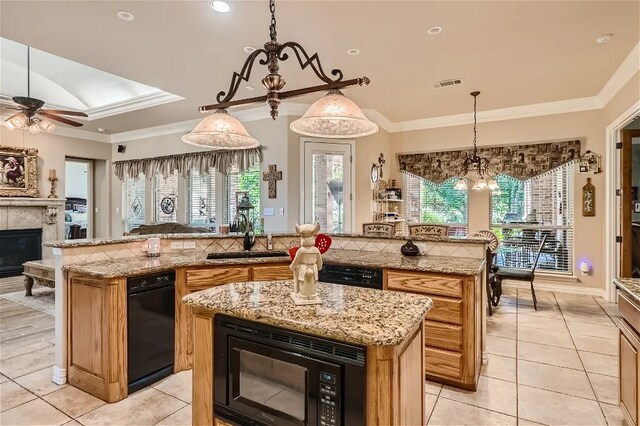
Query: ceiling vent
[(445, 83)]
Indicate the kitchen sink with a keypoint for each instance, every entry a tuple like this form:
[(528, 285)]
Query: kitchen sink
[(247, 254)]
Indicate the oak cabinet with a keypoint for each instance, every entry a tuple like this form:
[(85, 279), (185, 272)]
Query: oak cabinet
[(453, 326), (629, 346), (271, 273)]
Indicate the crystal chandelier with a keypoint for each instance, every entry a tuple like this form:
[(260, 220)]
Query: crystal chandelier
[(476, 168), (333, 116)]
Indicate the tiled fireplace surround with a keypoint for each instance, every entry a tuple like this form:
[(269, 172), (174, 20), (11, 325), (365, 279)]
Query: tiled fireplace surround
[(82, 251)]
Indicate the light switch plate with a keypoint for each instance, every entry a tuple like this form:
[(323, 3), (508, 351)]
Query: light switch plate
[(268, 211), (189, 245), (281, 211), (177, 245)]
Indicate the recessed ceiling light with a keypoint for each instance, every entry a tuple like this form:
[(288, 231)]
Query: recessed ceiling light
[(250, 87), (434, 30), (604, 38), (220, 6), (249, 49), (125, 16), (353, 52), (100, 129)]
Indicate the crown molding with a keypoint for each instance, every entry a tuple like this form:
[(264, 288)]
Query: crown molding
[(623, 74), (156, 98), (72, 132)]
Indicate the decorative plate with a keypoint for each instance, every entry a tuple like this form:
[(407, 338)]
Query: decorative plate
[(167, 205)]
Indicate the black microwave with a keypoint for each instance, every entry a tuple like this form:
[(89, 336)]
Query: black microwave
[(268, 376)]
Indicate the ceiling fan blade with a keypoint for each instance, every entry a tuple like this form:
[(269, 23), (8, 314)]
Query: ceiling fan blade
[(60, 119), (63, 112)]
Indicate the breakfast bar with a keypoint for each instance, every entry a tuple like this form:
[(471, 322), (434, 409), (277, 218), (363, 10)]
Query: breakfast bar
[(359, 349)]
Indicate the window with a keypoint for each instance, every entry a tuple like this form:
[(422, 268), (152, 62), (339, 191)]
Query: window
[(235, 182), (165, 198), (522, 212), (133, 203), (201, 209), (430, 203)]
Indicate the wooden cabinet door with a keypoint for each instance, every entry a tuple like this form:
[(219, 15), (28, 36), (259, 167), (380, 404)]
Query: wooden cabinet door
[(629, 369), (272, 273), (199, 279)]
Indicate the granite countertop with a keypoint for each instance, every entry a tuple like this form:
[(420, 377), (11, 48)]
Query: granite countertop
[(629, 286), (350, 314), (148, 265), (435, 264)]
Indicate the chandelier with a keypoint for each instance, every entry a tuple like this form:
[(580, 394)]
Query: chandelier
[(332, 116), (476, 168)]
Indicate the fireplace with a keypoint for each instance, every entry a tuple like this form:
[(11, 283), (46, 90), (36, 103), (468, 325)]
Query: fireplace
[(18, 246)]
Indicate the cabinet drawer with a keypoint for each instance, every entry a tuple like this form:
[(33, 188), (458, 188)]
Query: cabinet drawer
[(443, 363), (210, 277), (425, 283), (272, 273), (443, 336), (629, 360), (629, 311), (445, 310)]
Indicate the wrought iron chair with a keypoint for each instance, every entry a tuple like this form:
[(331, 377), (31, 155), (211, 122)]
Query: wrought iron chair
[(428, 229), (378, 229), (492, 248), (518, 274)]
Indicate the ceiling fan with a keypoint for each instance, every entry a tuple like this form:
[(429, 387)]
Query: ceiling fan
[(31, 111)]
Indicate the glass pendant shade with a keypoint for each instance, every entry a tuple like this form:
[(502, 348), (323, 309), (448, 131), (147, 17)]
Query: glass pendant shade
[(461, 185), (18, 120), (46, 125), (8, 124), (334, 116), (34, 128), (220, 131)]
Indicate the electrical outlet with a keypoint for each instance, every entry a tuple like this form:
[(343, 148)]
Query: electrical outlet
[(177, 245), (117, 209), (281, 211), (189, 245)]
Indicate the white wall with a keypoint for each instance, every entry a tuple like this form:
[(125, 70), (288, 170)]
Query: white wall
[(76, 182)]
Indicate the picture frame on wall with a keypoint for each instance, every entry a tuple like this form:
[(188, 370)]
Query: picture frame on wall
[(18, 172), (588, 199)]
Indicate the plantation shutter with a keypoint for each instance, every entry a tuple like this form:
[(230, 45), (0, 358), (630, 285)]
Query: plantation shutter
[(201, 208), (133, 203)]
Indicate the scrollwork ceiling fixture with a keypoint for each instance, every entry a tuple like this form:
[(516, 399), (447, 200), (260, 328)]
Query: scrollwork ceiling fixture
[(333, 116), (476, 168)]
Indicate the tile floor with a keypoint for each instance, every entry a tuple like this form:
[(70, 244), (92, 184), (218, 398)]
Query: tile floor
[(556, 366)]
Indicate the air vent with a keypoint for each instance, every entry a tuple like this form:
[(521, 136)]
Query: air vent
[(445, 83)]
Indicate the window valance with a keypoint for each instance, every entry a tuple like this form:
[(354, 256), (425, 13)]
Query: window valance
[(518, 161), (221, 160)]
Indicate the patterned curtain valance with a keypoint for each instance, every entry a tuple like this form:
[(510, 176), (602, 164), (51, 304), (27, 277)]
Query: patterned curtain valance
[(184, 163), (518, 161)]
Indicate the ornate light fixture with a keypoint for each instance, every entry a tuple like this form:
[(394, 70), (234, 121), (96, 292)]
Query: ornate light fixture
[(333, 116), (476, 168)]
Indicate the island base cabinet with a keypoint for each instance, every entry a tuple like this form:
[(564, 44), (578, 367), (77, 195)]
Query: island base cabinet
[(629, 343), (97, 336)]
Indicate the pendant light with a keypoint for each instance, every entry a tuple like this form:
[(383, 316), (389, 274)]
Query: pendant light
[(334, 116), (220, 131), (476, 168)]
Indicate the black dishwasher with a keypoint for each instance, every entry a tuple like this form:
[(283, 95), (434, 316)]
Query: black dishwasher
[(150, 328)]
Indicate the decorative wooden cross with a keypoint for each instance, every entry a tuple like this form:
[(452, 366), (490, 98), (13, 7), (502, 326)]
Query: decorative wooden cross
[(272, 176)]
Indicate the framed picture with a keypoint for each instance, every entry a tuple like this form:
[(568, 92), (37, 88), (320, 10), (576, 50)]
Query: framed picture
[(18, 172), (636, 206), (588, 199), (239, 196)]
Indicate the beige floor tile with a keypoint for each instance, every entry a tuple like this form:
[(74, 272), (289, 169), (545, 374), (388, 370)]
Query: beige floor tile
[(605, 387), (588, 318), (545, 299), (182, 417), (506, 308), (599, 363), (14, 349), (448, 412), (580, 307), (39, 382), (542, 323), (492, 394), (614, 415), (3, 378), (72, 401), (178, 385), (554, 355), (596, 344), (545, 337), (557, 379), (72, 423), (523, 422), (500, 367), (429, 404), (12, 395), (33, 361), (502, 330), (553, 313), (501, 346), (432, 387), (553, 408), (34, 412), (145, 407), (502, 318)]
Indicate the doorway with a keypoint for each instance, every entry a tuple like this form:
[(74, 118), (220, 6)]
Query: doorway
[(78, 185), (629, 224), (327, 195)]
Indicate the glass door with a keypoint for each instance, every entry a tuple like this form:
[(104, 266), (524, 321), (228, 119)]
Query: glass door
[(327, 195)]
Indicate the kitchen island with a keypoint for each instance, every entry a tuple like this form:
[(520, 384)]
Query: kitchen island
[(386, 326)]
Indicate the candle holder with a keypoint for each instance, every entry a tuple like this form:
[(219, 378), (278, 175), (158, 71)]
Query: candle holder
[(54, 186)]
